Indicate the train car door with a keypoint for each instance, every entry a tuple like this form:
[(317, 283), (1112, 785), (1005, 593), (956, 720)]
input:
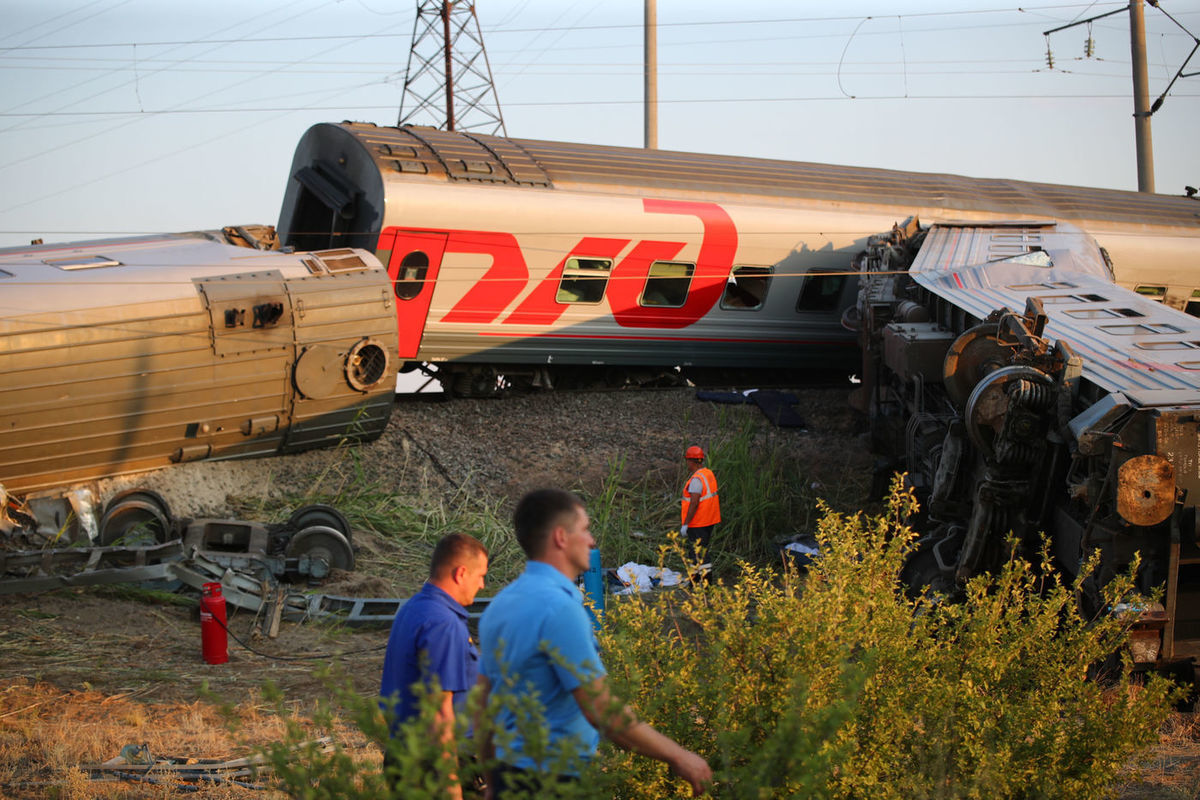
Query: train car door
[(413, 264)]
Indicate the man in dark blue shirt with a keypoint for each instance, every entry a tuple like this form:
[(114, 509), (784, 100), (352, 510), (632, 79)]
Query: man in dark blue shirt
[(430, 639)]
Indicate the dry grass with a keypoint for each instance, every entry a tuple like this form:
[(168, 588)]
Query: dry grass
[(48, 734), (1171, 769)]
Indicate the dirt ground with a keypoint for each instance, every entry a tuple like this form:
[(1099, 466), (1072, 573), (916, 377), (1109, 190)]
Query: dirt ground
[(97, 645), (103, 639)]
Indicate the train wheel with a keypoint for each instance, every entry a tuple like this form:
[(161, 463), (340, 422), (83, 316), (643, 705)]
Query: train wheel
[(319, 514), (973, 355), (485, 384), (137, 518), (324, 543)]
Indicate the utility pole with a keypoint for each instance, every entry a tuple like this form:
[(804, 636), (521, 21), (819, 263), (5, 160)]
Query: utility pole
[(1141, 97), (651, 75), (1141, 92), (447, 62)]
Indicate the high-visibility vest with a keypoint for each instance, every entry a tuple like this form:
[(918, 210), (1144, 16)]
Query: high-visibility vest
[(709, 512)]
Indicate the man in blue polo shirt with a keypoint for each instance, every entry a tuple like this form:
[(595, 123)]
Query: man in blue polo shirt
[(430, 639), (537, 643)]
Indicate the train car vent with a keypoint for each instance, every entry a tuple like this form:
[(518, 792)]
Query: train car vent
[(366, 364), (81, 262)]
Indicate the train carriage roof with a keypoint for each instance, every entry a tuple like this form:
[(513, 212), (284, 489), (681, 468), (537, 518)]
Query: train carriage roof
[(428, 154)]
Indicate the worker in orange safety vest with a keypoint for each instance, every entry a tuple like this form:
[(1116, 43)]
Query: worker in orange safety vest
[(701, 510)]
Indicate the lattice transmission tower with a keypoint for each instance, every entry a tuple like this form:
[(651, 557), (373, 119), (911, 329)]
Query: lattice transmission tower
[(448, 82)]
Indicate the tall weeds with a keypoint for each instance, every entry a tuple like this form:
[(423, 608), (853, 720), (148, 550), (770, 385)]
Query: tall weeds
[(766, 496)]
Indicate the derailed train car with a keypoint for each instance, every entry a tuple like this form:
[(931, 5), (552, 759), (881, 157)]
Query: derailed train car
[(1024, 392), (538, 260), (123, 355)]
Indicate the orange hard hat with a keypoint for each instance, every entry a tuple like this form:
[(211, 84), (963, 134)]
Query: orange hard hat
[(695, 451)]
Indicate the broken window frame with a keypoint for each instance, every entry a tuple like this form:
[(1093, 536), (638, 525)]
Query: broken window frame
[(760, 274), (829, 304)]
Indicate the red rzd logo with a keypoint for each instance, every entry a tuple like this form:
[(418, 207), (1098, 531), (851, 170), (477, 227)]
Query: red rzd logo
[(508, 275)]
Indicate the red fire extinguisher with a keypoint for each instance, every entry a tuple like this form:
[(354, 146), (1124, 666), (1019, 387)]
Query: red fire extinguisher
[(213, 640)]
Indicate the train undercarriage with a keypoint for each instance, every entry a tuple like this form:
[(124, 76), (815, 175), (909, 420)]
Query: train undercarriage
[(1043, 419)]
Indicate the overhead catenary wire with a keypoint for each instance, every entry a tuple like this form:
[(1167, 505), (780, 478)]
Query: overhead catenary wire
[(581, 103), (498, 30)]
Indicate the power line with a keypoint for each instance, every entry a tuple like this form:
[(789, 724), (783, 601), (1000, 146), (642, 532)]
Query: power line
[(551, 29), (560, 103)]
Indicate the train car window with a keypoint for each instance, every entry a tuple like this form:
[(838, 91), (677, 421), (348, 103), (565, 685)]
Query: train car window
[(5, 273), (1190, 364), (583, 280), (1177, 345), (1033, 287), (1193, 305), (410, 279), (341, 260), (746, 288), (1156, 293), (667, 284), (1052, 299), (81, 262), (821, 292), (1034, 258), (1140, 328), (1102, 313)]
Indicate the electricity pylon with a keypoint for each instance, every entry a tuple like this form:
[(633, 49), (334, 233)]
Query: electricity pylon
[(448, 63)]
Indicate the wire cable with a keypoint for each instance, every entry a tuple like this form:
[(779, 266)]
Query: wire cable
[(310, 657)]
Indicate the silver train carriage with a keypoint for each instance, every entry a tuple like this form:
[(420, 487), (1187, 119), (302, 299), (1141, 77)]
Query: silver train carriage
[(1024, 392), (123, 355), (529, 258)]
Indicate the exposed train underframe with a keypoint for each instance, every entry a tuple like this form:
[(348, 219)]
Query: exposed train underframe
[(1003, 436)]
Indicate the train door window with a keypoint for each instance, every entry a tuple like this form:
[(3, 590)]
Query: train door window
[(583, 280), (667, 284), (1156, 293), (746, 288), (821, 292), (1193, 304), (410, 279)]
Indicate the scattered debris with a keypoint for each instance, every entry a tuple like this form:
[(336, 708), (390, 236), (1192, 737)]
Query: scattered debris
[(801, 550), (776, 406), (635, 577), (135, 763)]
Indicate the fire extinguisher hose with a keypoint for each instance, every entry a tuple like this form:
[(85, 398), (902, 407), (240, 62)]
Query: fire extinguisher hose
[(309, 657)]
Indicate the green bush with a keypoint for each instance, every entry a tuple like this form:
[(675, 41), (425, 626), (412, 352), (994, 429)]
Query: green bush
[(844, 687), (839, 685)]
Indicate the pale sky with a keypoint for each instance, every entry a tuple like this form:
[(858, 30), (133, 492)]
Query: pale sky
[(146, 116)]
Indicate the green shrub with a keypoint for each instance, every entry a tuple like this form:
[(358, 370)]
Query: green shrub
[(839, 685), (844, 687)]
